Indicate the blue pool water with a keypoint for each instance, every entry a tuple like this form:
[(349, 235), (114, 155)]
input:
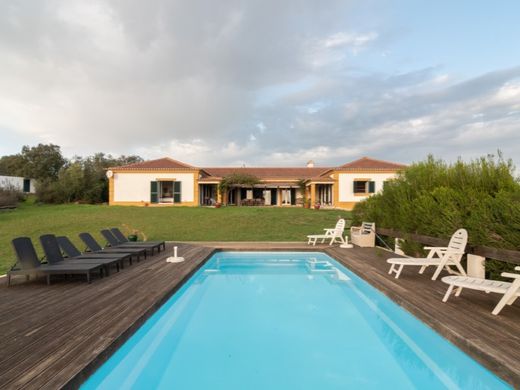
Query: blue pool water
[(285, 321)]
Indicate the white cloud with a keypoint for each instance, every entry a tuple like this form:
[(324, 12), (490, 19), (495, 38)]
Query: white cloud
[(342, 39)]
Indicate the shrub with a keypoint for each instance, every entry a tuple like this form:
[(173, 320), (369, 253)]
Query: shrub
[(10, 196), (435, 198)]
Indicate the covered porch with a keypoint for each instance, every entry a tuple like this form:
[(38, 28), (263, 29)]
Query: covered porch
[(208, 194), (268, 194), (320, 193)]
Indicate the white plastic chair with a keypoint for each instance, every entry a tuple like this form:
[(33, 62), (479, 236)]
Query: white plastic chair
[(334, 234), (440, 257), (509, 290)]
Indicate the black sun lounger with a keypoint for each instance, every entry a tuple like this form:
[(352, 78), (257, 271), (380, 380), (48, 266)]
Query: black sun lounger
[(113, 242), (53, 254), (93, 246), (29, 265), (73, 253), (123, 240)]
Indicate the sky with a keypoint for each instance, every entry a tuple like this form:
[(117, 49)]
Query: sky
[(262, 83)]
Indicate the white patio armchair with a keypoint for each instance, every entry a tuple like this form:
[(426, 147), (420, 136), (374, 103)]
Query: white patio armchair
[(364, 235)]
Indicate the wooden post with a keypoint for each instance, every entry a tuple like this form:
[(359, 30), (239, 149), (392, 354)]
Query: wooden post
[(397, 247), (476, 266)]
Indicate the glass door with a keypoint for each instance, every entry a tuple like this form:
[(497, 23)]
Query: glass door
[(166, 192), (286, 197), (267, 197)]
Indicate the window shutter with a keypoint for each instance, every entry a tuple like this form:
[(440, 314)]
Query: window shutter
[(371, 187), (177, 192), (154, 197)]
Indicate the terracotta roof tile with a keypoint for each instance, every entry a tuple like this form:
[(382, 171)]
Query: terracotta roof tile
[(269, 173), (370, 163), (161, 163), (265, 173)]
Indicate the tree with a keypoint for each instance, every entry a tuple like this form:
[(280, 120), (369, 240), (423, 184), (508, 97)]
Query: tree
[(41, 162), (59, 180), (11, 165), (237, 179)]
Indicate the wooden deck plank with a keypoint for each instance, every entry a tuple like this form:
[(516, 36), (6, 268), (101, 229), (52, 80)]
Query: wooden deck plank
[(54, 334)]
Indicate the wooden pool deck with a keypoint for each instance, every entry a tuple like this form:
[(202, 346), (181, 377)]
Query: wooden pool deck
[(54, 336)]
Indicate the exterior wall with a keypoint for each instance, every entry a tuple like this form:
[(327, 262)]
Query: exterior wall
[(16, 182), (345, 183), (133, 188)]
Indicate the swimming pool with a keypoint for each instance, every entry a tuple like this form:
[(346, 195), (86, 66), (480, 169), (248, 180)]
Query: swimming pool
[(285, 320)]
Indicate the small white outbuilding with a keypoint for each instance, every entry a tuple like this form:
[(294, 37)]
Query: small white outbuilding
[(22, 184)]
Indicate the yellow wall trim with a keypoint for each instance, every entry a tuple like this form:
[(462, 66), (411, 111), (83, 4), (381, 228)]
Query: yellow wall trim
[(345, 205), (148, 204)]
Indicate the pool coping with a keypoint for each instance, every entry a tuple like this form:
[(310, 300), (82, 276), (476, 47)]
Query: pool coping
[(484, 358)]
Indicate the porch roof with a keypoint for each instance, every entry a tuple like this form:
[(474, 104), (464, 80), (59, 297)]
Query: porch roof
[(269, 185), (321, 180), (270, 173)]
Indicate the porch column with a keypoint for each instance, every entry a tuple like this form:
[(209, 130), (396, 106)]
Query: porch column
[(313, 194), (278, 196)]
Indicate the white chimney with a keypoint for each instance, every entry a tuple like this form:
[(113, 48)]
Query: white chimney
[(310, 164)]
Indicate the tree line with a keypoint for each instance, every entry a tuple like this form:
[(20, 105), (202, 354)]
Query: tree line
[(60, 179)]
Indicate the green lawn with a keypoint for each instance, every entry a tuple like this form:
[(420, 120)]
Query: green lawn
[(168, 223)]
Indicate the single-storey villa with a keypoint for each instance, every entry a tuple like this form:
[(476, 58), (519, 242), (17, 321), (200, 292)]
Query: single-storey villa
[(168, 182)]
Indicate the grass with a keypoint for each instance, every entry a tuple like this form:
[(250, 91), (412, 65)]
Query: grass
[(165, 223)]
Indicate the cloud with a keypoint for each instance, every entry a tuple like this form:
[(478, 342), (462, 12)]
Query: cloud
[(342, 39), (255, 83)]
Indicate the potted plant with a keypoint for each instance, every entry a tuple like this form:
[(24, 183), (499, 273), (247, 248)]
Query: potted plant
[(317, 205), (218, 205), (134, 236)]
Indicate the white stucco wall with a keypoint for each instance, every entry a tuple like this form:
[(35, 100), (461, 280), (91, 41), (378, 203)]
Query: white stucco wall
[(346, 184), (16, 182), (135, 187)]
